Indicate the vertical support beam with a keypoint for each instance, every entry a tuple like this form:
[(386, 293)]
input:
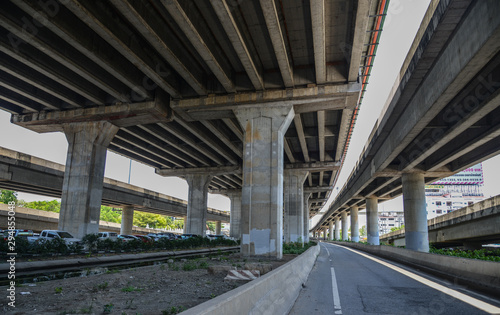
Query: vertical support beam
[(372, 220), (127, 220), (262, 193), (306, 217), (337, 228), (294, 205), (235, 215), (218, 228), (197, 203), (83, 176), (354, 224), (325, 231), (416, 233), (185, 225), (331, 231), (345, 227)]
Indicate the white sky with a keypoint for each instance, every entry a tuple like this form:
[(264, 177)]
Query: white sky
[(400, 26)]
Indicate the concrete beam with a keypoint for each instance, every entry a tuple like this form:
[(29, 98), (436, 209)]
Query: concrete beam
[(218, 170), (319, 31), (356, 49)]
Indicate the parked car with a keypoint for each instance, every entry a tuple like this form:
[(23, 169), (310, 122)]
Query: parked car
[(216, 237), (127, 238), (108, 235), (187, 235), (47, 235), (144, 238), (19, 233)]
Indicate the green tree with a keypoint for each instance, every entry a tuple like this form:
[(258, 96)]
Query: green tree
[(362, 231), (397, 228), (109, 215), (7, 196), (211, 226), (51, 206), (143, 219)]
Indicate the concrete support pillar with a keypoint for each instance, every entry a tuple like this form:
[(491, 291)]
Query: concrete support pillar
[(325, 231), (306, 217), (372, 220), (354, 224), (262, 193), (235, 215), (330, 234), (83, 176), (345, 226), (294, 206), (127, 220), (197, 203), (218, 228), (416, 233), (185, 224), (337, 229)]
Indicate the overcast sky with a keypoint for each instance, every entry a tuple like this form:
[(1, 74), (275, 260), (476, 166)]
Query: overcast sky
[(401, 24)]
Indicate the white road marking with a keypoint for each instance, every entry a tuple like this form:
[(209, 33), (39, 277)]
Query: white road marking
[(458, 295), (336, 297)]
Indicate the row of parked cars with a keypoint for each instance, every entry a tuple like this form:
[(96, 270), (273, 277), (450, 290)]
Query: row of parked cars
[(69, 239)]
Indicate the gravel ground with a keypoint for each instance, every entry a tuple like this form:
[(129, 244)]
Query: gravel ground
[(164, 288)]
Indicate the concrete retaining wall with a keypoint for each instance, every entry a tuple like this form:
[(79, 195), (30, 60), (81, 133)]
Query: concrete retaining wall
[(481, 274), (273, 293)]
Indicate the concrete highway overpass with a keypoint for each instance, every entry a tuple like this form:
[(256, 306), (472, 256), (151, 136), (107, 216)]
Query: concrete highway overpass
[(29, 174), (442, 116), (230, 95), (471, 227)]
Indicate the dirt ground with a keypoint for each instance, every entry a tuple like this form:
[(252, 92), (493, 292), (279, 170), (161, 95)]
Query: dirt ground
[(163, 288)]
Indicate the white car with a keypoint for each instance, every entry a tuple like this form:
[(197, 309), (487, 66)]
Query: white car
[(108, 235), (47, 235)]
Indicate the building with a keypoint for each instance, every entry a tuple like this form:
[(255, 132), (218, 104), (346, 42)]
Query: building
[(451, 193), (390, 219)]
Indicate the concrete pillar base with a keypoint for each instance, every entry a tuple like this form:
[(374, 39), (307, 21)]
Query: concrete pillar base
[(354, 224), (262, 193), (331, 231), (337, 229), (235, 216), (197, 204), (127, 220), (372, 221), (416, 232), (345, 227), (84, 175), (218, 228)]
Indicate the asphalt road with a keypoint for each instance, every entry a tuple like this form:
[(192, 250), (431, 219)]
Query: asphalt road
[(345, 281)]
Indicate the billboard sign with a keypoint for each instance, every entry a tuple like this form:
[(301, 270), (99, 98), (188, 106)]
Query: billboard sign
[(471, 176)]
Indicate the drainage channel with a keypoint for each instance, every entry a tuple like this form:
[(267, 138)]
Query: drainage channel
[(82, 269)]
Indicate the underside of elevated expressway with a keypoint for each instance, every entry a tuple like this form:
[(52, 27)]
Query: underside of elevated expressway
[(442, 116), (179, 85)]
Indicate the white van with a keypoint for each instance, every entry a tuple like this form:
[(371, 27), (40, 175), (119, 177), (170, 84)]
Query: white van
[(108, 235)]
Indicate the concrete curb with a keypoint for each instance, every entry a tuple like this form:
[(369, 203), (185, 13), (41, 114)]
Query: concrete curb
[(273, 293), (32, 267), (481, 274)]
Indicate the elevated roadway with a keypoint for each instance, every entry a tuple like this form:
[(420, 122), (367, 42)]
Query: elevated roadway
[(29, 174), (442, 116), (470, 227)]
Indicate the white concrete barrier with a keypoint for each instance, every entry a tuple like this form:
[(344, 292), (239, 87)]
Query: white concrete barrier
[(481, 274), (274, 293)]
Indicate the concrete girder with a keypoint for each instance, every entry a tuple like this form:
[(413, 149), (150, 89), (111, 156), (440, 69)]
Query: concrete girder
[(251, 63), (319, 31), (19, 100), (288, 152), (65, 55), (278, 41), (147, 63), (215, 171), (157, 136), (175, 131), (343, 131), (362, 17), (70, 31), (297, 120), (222, 137), (35, 79), (49, 68), (207, 139), (317, 189), (195, 38), (235, 128), (157, 34)]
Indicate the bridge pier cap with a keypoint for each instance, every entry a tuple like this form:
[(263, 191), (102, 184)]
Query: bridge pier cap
[(262, 192)]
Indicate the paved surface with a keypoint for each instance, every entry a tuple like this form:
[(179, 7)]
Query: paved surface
[(366, 286)]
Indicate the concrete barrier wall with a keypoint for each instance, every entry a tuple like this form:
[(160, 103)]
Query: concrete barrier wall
[(273, 293), (478, 273)]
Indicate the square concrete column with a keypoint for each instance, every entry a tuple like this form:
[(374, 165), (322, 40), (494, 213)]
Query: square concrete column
[(337, 228), (84, 175), (262, 193), (331, 231), (306, 217), (354, 224), (218, 227), (294, 205), (372, 221), (416, 232), (127, 220), (345, 226), (235, 215), (197, 203)]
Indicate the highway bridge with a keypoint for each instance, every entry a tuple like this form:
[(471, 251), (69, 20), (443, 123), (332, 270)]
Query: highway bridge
[(26, 173), (442, 116), (230, 95)]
